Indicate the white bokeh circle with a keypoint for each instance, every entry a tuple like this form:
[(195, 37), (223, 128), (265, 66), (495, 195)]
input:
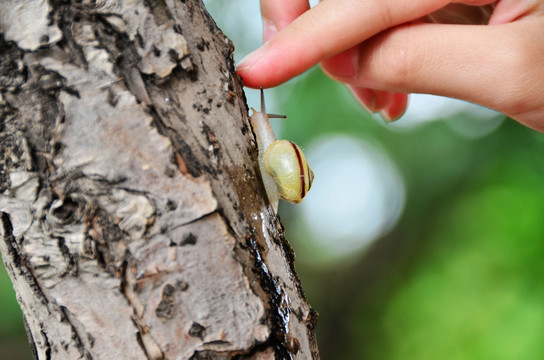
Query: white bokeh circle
[(357, 195)]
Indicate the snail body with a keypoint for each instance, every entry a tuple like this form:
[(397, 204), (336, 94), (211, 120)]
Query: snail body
[(283, 166)]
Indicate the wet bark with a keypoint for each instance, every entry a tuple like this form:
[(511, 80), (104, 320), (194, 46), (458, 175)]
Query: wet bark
[(134, 224)]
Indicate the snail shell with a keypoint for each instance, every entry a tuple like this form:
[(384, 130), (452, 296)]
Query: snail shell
[(287, 165)]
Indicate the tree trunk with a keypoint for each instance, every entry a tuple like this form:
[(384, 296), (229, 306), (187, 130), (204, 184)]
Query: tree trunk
[(134, 224)]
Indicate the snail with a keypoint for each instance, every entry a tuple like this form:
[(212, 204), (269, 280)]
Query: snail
[(284, 170)]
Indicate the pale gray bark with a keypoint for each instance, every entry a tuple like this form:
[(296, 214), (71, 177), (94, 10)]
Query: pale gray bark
[(134, 224)]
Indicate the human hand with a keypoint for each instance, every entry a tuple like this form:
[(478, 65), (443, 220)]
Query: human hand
[(385, 49)]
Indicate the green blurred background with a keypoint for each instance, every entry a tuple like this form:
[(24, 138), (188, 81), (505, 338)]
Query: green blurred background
[(13, 340), (434, 242), (459, 275)]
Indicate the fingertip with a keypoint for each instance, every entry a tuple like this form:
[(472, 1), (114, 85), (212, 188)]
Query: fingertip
[(248, 62), (275, 62), (509, 10), (390, 105), (253, 70), (396, 107), (372, 100), (254, 75), (365, 96), (249, 80)]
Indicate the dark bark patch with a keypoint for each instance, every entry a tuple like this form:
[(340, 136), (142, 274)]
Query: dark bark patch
[(65, 211), (212, 139), (12, 70), (188, 239), (182, 285), (66, 15), (203, 45), (72, 266), (171, 205), (44, 39), (173, 55), (165, 310), (197, 330)]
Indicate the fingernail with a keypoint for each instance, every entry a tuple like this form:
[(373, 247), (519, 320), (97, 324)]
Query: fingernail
[(250, 59), (269, 30), (344, 64), (389, 115), (366, 97), (386, 117), (396, 108)]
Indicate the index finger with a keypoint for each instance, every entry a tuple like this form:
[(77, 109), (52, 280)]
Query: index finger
[(325, 30)]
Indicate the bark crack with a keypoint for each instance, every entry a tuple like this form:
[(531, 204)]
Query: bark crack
[(72, 266), (47, 346), (76, 338), (279, 317), (146, 342), (200, 218), (66, 15), (21, 267)]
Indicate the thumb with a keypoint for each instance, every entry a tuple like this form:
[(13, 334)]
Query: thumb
[(495, 66)]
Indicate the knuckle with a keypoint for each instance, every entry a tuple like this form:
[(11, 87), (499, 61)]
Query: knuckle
[(522, 83), (397, 60)]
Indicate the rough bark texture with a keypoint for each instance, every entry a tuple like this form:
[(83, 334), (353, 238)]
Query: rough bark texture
[(133, 221)]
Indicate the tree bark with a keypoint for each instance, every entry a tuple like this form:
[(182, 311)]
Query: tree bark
[(134, 224)]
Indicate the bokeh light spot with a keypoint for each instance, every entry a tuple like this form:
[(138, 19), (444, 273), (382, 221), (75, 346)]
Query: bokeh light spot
[(357, 195)]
